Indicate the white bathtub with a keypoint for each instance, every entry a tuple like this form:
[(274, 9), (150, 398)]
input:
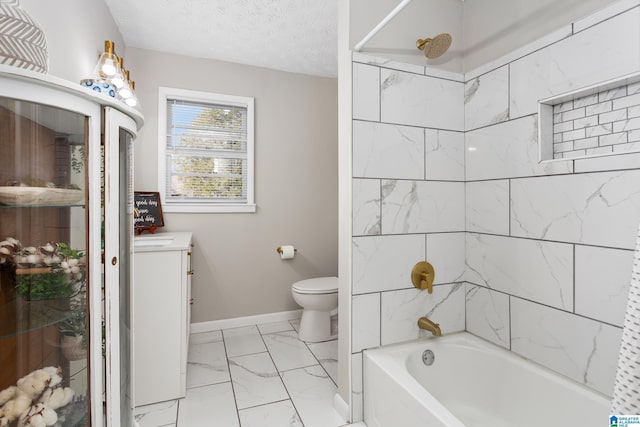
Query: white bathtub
[(471, 383)]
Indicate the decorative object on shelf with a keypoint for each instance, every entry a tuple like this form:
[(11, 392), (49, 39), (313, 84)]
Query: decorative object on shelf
[(147, 212), (73, 330), (52, 271), (100, 86), (22, 41), (34, 196), (37, 399), (111, 78), (33, 191)]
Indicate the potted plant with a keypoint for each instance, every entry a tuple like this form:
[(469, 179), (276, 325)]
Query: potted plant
[(74, 330)]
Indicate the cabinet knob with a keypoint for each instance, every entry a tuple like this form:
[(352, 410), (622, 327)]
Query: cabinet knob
[(114, 260), (190, 272)]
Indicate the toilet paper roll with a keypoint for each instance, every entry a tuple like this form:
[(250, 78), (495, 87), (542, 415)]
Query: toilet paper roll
[(287, 251)]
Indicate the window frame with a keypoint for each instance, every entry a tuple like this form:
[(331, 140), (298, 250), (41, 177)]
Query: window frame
[(165, 93)]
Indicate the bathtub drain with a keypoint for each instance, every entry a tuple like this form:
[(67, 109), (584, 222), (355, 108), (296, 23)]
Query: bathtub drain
[(428, 357)]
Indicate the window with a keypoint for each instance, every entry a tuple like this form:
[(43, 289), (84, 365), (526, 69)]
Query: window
[(205, 155)]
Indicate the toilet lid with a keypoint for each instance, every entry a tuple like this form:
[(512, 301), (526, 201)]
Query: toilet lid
[(317, 285)]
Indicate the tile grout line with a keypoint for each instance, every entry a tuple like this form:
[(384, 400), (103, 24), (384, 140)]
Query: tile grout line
[(280, 375), (233, 390), (319, 363)]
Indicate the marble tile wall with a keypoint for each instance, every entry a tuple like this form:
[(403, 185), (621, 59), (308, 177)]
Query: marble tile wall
[(534, 257), (549, 245), (408, 204)]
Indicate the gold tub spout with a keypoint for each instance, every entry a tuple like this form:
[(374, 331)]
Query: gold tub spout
[(428, 325)]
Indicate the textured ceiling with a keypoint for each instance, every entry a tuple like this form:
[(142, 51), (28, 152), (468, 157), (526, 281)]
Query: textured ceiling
[(299, 36)]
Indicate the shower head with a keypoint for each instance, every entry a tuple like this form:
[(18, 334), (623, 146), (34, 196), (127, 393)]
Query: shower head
[(434, 47)]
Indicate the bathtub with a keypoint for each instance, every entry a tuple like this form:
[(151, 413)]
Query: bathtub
[(471, 383)]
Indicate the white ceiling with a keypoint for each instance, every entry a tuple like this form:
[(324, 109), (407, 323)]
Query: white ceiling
[(299, 36)]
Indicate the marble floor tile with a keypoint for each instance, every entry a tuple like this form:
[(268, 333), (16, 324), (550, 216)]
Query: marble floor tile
[(269, 328), (208, 406), (327, 355), (157, 415), (279, 414), (255, 380), (242, 341), (203, 337), (288, 352), (312, 393), (206, 364)]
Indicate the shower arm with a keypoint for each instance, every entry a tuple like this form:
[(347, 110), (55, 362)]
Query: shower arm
[(358, 47)]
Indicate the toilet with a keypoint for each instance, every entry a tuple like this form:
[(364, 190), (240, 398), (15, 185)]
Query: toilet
[(318, 298)]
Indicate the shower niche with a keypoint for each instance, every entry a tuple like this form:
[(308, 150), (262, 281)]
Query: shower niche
[(598, 120)]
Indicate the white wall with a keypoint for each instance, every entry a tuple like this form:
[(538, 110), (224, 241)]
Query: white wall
[(237, 270), (75, 32)]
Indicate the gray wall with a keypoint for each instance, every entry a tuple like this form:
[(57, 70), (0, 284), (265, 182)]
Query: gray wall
[(238, 272), (75, 31)]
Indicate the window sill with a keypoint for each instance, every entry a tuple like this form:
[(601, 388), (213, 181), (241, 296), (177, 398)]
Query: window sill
[(198, 208)]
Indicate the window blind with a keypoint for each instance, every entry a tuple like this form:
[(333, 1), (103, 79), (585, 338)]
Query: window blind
[(206, 152)]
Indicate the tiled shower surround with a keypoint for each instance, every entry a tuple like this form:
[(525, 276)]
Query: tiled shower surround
[(605, 122), (535, 257)]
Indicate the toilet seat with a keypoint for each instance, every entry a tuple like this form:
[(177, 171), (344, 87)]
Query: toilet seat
[(317, 285)]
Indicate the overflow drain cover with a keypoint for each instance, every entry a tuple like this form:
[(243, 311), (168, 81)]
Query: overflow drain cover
[(428, 357)]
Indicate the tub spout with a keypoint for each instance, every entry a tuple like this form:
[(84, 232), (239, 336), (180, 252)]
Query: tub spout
[(428, 325)]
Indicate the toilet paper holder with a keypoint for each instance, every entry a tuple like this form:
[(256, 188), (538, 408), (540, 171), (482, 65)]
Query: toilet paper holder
[(279, 250)]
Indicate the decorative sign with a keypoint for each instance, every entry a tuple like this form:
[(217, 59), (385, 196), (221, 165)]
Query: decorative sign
[(147, 211)]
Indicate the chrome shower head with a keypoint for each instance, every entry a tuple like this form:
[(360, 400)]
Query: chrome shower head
[(434, 47)]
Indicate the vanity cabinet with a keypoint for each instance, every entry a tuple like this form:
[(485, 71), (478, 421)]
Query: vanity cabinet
[(162, 315), (65, 175)]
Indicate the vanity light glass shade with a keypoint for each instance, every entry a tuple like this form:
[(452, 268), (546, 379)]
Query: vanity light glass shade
[(132, 101), (118, 78), (125, 91), (107, 65)]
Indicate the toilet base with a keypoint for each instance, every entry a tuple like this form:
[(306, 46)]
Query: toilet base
[(315, 326)]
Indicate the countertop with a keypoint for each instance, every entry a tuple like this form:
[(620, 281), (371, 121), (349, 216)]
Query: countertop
[(162, 241)]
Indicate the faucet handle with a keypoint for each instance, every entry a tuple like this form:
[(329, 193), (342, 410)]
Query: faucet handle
[(423, 275)]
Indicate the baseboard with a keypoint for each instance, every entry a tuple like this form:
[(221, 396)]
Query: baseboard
[(341, 407), (237, 322)]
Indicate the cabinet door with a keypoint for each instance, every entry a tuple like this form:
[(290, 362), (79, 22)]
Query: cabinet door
[(47, 138), (159, 279), (118, 226)]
